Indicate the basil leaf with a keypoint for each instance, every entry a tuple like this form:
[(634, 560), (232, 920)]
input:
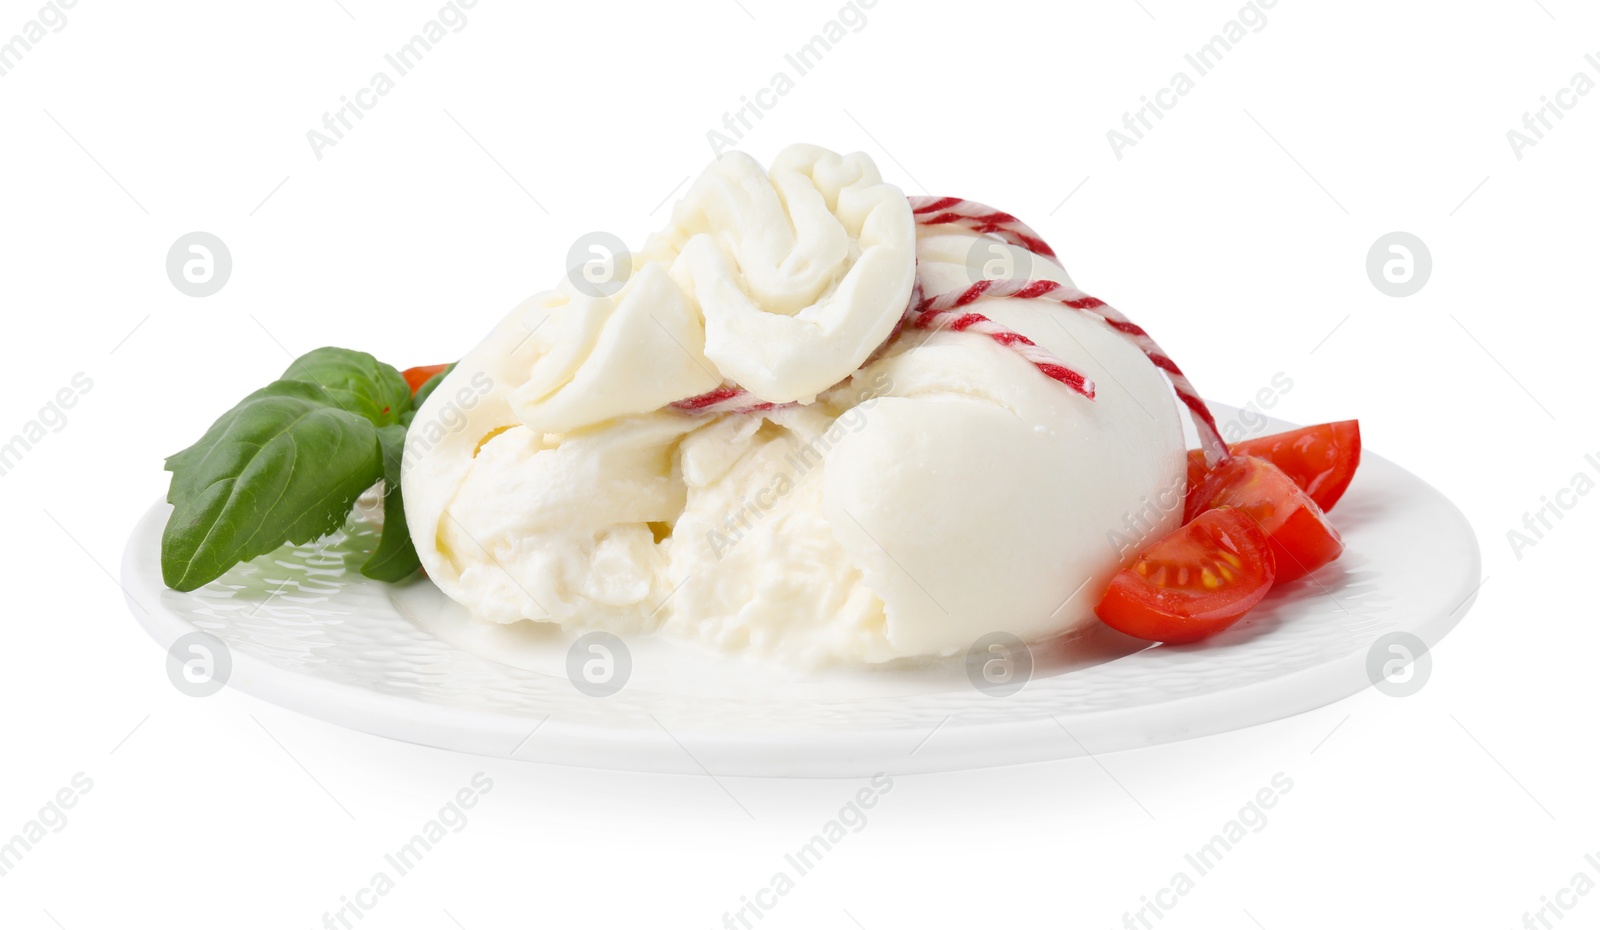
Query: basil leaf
[(185, 479), (284, 465), (395, 558), (356, 381), (427, 387)]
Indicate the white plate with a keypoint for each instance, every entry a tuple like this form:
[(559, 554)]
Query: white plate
[(305, 631)]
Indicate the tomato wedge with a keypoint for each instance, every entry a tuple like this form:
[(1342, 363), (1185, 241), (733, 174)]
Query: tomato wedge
[(1321, 460), (1302, 539), (1194, 582), (1197, 468), (418, 376)]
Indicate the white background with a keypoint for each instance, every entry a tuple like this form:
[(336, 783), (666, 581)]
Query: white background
[(1237, 231)]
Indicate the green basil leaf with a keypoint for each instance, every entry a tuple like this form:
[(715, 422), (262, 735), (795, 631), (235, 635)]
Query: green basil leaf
[(427, 387), (395, 559), (356, 381), (186, 479), (284, 465)]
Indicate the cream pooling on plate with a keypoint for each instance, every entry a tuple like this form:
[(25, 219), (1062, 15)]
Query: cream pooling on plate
[(945, 491)]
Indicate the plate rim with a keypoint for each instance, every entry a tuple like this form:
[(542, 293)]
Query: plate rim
[(828, 753)]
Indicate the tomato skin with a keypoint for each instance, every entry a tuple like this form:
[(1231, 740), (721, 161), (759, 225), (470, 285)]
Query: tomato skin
[(1305, 543), (1197, 475), (1150, 599), (418, 376), (1301, 538), (1320, 459)]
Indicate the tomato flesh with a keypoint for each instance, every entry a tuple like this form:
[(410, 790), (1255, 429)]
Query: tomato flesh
[(1197, 469), (1197, 477), (1193, 583), (1321, 459), (1300, 535), (418, 376)]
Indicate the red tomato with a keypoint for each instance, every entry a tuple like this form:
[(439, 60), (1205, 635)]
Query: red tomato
[(1197, 474), (1194, 582), (418, 376), (1301, 537), (1320, 459), (1197, 467)]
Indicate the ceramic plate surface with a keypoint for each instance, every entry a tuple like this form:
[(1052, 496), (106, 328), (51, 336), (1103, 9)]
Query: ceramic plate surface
[(305, 631)]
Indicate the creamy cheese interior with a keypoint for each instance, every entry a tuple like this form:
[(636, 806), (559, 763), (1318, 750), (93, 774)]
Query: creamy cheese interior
[(944, 491)]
